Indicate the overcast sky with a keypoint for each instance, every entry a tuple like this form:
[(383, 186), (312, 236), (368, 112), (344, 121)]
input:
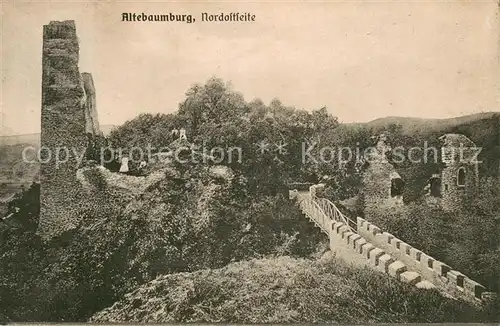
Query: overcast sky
[(361, 60)]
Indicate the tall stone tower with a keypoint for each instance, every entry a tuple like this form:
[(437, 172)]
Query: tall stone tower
[(64, 122)]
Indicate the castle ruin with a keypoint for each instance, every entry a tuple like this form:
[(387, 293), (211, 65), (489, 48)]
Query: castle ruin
[(459, 175), (456, 178), (382, 186), (68, 116)]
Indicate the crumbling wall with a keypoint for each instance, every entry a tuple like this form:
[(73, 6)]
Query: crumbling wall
[(63, 129), (458, 152), (377, 181)]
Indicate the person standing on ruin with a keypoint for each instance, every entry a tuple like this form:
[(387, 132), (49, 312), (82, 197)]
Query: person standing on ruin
[(182, 134), (124, 168)]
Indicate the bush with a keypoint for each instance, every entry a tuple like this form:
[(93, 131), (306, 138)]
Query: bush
[(169, 229)]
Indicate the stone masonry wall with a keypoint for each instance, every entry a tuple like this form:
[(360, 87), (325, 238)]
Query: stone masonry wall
[(357, 249), (63, 126), (377, 182), (344, 247), (430, 269), (458, 152), (369, 246)]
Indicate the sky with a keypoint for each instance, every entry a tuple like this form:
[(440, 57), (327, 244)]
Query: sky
[(362, 60)]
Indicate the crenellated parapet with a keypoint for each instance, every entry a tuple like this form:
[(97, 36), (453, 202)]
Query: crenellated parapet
[(429, 268), (365, 244)]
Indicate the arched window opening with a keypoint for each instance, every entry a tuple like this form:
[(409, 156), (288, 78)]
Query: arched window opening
[(435, 185), (397, 185), (461, 177)]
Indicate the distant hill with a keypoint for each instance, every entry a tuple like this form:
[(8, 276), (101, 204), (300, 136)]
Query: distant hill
[(20, 139), (412, 125), (14, 173), (34, 139)]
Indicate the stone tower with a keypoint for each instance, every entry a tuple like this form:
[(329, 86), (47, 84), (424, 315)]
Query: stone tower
[(66, 116), (381, 184), (460, 172)]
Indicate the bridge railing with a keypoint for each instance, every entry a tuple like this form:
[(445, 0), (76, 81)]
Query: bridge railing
[(322, 212), (312, 210), (331, 210)]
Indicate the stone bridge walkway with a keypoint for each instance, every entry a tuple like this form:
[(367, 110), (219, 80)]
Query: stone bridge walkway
[(364, 244)]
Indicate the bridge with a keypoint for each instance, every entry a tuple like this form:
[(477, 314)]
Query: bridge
[(362, 243)]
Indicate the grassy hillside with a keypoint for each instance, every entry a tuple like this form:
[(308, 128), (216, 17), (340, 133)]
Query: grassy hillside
[(284, 290)]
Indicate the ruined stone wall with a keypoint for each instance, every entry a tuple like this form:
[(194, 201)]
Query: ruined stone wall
[(377, 180), (458, 153), (376, 188), (63, 126), (453, 196), (377, 183)]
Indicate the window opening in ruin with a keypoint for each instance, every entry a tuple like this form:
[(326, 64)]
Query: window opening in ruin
[(397, 186), (461, 177), (445, 187), (460, 281), (477, 292), (435, 184)]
